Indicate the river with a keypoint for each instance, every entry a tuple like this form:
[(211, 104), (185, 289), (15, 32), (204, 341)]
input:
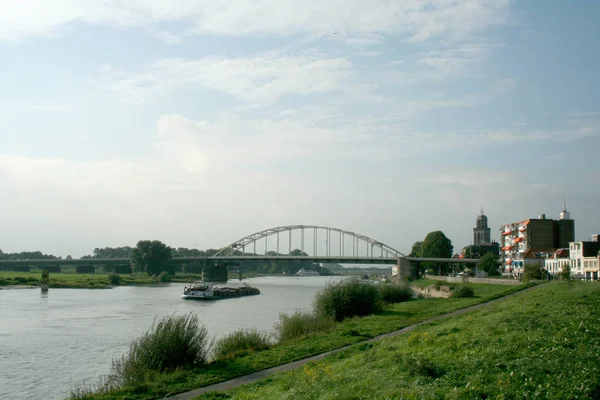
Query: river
[(51, 342)]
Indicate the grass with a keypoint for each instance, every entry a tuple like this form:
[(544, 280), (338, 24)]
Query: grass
[(99, 280), (350, 331), (542, 344), (347, 298), (301, 324), (241, 342), (463, 291), (392, 292)]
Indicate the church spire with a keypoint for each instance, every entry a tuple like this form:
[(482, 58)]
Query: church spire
[(482, 209)]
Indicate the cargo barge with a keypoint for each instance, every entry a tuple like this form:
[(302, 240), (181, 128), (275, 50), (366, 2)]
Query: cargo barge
[(207, 291)]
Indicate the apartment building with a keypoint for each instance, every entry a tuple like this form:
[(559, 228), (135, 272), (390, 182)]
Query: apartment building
[(582, 257), (534, 240)]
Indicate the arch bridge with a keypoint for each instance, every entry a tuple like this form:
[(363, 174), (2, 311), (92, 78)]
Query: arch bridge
[(310, 242), (320, 244)]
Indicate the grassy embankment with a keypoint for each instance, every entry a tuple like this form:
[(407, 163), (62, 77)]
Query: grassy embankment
[(543, 344), (99, 280), (348, 332)]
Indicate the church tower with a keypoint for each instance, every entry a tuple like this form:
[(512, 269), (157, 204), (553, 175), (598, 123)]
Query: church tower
[(481, 232)]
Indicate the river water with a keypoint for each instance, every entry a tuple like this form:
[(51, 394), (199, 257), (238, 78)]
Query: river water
[(51, 342)]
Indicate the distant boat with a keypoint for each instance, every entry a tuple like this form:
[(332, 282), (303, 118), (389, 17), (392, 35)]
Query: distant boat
[(200, 290), (307, 272)]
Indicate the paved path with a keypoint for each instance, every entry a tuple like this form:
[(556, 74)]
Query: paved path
[(242, 380)]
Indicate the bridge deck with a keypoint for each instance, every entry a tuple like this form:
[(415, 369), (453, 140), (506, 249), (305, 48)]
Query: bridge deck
[(317, 259)]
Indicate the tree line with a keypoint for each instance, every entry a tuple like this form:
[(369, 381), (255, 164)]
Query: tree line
[(437, 245)]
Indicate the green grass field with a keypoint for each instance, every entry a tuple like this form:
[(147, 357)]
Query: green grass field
[(539, 345), (348, 332)]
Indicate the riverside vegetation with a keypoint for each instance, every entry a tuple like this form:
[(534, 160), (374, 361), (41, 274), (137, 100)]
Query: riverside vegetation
[(99, 280), (542, 344), (295, 337)]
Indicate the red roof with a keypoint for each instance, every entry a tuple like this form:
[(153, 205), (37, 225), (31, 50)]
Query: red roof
[(562, 253), (529, 254)]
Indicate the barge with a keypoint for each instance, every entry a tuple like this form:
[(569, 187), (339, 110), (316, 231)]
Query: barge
[(200, 290)]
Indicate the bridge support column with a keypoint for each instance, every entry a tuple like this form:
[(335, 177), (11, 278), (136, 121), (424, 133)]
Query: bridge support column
[(404, 269)]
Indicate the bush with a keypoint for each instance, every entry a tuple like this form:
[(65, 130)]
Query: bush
[(175, 342), (241, 342), (437, 285), (395, 292), (533, 271), (347, 298), (114, 279), (301, 324), (463, 291), (164, 277)]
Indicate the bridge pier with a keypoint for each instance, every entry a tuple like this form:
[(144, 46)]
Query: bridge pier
[(404, 269)]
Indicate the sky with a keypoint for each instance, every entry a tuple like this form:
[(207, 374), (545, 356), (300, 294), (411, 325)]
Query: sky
[(198, 122)]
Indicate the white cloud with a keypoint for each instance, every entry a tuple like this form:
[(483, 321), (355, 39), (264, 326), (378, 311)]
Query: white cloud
[(263, 78), (417, 20), (216, 180), (455, 61)]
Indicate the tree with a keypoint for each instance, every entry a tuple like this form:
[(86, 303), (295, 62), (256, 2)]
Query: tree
[(416, 249), (532, 271), (69, 257), (152, 257), (298, 253), (565, 273), (489, 263), (112, 252), (436, 245)]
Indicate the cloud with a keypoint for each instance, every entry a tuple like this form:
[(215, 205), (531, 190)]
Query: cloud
[(455, 61), (415, 20), (263, 78), (220, 179)]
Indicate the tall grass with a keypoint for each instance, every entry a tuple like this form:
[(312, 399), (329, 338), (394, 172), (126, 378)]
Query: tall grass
[(176, 342), (164, 277), (240, 342), (347, 298), (114, 279), (461, 291), (392, 292), (301, 324)]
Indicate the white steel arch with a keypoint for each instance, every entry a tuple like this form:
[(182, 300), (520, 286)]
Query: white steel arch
[(241, 246)]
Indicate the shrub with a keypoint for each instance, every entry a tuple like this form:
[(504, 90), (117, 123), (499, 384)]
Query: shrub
[(395, 292), (347, 298), (463, 291), (174, 342), (301, 324), (164, 277), (114, 279), (532, 271), (241, 342), (437, 285)]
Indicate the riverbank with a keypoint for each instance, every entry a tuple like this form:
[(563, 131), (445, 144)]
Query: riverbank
[(540, 344), (349, 332), (99, 280)]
